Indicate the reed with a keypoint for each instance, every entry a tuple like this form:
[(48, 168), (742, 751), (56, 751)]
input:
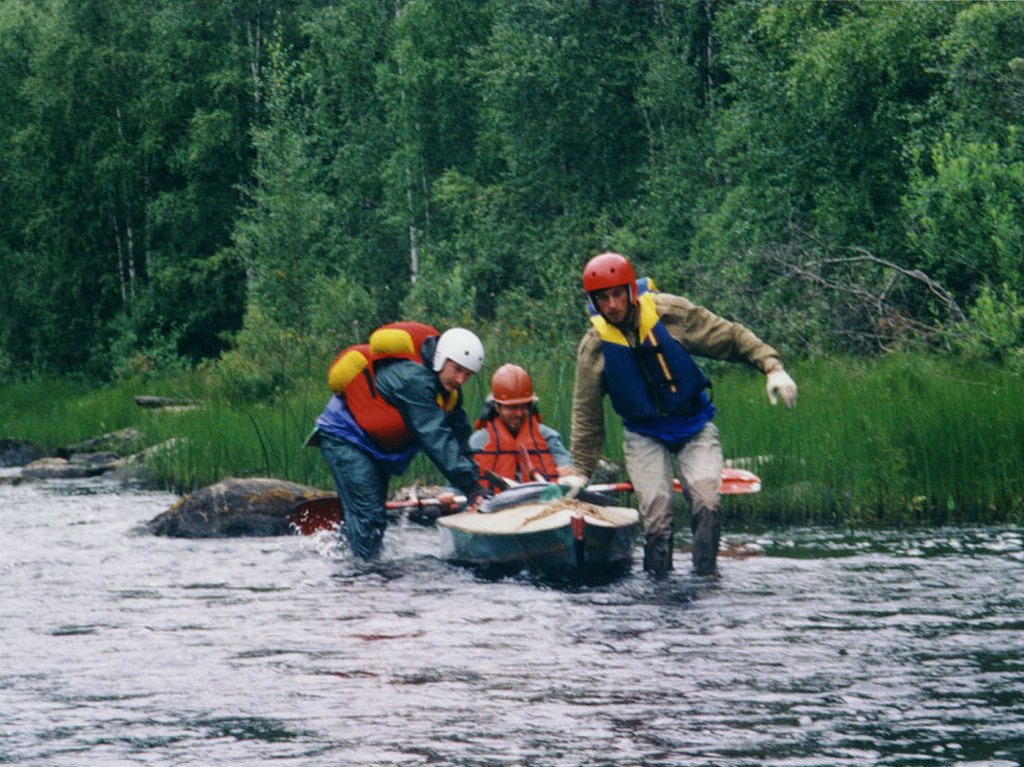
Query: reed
[(225, 438), (898, 441), (53, 413), (903, 440)]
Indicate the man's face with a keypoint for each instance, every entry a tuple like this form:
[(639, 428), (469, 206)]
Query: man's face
[(513, 416), (453, 375), (613, 303)]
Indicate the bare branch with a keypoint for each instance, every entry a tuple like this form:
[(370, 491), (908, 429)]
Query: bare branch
[(868, 301)]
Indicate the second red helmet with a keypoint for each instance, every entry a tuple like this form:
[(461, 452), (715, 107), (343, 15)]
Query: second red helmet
[(609, 270), (511, 385)]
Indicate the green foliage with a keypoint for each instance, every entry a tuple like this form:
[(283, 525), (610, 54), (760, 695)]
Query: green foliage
[(966, 214), (443, 295), (908, 440), (280, 237), (122, 154), (983, 70), (55, 412), (174, 170), (348, 146), (129, 356), (226, 439), (481, 219), (558, 101), (995, 332)]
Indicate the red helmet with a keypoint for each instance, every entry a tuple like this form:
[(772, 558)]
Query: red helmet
[(609, 270), (511, 385)]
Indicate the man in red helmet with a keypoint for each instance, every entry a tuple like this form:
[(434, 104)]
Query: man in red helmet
[(510, 440), (638, 352)]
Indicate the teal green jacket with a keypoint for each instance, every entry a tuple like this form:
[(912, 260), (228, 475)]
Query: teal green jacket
[(413, 388)]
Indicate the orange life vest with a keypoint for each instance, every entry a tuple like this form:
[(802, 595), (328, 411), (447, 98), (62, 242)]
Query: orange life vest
[(351, 377), (503, 451)]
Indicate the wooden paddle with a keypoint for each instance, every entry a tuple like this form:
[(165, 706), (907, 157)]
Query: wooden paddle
[(324, 513)]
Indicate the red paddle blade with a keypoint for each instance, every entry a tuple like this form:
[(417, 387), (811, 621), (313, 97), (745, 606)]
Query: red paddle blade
[(734, 482), (316, 514), (738, 482)]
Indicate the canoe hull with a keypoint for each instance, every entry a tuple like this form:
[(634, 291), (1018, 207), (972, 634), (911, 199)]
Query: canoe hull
[(514, 540)]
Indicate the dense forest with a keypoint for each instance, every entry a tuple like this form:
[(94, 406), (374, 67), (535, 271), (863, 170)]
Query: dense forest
[(260, 182)]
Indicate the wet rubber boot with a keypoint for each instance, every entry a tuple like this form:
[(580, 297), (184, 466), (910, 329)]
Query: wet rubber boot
[(707, 529), (658, 556)]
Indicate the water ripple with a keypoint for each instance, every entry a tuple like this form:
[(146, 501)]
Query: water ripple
[(817, 647)]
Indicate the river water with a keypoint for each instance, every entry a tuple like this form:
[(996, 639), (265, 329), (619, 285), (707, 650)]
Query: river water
[(119, 648)]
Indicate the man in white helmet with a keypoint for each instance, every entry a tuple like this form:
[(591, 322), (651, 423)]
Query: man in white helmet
[(395, 396)]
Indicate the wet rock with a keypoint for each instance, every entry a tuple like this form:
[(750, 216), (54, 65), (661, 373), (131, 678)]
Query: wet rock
[(10, 476), (123, 442), (134, 468), (15, 452), (234, 508), (78, 466)]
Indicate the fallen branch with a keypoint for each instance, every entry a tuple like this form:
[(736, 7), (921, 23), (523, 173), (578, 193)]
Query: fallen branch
[(152, 402)]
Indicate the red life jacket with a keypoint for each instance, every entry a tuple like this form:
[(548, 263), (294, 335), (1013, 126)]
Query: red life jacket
[(501, 454), (351, 377)]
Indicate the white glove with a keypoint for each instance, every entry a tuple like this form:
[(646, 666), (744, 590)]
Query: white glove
[(781, 385), (574, 483)]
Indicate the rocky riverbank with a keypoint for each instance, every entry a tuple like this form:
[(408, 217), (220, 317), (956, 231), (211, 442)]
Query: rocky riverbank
[(251, 506), (117, 454)]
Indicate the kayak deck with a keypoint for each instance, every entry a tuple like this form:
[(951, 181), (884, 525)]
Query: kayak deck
[(563, 537)]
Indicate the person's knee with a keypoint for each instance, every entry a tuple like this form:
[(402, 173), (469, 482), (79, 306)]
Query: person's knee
[(703, 494), (658, 528), (656, 511)]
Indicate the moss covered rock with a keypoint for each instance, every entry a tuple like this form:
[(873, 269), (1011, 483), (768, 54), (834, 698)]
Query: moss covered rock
[(234, 508)]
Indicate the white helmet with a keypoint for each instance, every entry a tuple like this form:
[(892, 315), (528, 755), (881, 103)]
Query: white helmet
[(461, 346)]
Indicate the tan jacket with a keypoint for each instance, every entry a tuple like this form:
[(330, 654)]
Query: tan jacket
[(699, 331)]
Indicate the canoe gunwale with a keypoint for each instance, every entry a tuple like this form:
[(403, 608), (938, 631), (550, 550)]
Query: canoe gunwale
[(546, 545)]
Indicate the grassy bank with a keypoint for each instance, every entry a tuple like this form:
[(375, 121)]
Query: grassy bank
[(902, 440)]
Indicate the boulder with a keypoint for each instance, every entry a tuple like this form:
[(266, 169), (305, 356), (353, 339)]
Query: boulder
[(78, 466), (134, 469), (234, 508), (15, 452), (122, 442)]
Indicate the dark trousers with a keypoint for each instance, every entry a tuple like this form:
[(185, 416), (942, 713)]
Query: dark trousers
[(363, 489)]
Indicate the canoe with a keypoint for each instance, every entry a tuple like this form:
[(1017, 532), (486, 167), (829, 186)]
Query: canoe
[(561, 538)]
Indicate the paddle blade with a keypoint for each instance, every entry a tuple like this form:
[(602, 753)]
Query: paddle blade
[(738, 482), (734, 482), (316, 514)]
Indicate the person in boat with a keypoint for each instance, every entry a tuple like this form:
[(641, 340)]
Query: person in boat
[(397, 395), (510, 439), (638, 352)]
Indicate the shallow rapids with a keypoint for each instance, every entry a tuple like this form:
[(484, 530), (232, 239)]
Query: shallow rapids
[(821, 648)]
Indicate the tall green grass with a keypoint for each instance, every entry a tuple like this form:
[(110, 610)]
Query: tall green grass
[(227, 438), (902, 440), (55, 413)]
